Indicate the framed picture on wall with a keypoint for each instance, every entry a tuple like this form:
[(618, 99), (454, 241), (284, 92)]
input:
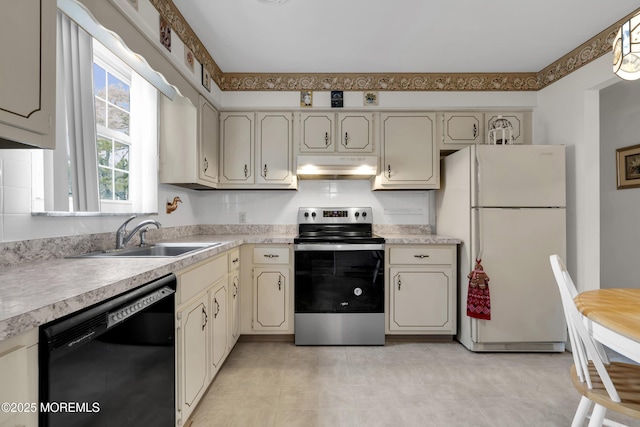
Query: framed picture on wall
[(628, 166)]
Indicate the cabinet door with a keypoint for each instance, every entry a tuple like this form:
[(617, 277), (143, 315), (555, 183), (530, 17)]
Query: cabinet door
[(218, 301), (316, 133), (271, 299), (409, 158), (462, 128), (421, 299), (28, 72), (274, 149), (208, 140), (515, 119), (236, 142), (19, 373), (355, 132), (193, 340), (234, 306)]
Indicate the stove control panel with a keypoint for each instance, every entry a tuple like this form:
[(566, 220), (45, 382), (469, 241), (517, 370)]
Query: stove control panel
[(334, 215)]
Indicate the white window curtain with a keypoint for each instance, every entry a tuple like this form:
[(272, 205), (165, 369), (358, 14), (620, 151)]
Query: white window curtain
[(75, 117)]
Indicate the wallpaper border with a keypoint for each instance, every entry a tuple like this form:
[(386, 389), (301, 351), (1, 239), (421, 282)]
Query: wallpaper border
[(589, 51)]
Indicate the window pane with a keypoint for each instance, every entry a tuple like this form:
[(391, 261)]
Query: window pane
[(104, 149), (118, 120), (118, 92), (101, 112), (106, 183), (99, 81), (121, 185), (121, 156)]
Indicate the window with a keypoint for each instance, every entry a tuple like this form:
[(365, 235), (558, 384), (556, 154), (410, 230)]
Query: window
[(106, 156), (112, 96)]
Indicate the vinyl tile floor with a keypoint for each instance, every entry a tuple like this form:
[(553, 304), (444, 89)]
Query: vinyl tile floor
[(398, 384)]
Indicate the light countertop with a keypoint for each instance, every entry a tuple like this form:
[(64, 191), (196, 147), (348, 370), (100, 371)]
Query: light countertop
[(34, 293)]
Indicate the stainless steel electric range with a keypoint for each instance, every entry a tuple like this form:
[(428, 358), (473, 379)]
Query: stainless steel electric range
[(339, 278)]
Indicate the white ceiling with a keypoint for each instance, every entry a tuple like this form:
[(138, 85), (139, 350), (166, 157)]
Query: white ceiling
[(396, 36)]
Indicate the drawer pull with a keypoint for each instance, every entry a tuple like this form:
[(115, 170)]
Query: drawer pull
[(421, 256), (235, 260), (399, 282), (271, 255)]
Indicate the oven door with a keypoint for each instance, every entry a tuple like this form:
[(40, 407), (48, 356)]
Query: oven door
[(339, 278)]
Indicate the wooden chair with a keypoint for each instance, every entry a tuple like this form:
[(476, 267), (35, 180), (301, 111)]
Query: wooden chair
[(608, 385)]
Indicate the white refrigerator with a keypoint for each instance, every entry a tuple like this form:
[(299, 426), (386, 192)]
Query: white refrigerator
[(507, 204)]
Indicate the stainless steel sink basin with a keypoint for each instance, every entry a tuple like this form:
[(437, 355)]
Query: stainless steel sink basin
[(157, 250)]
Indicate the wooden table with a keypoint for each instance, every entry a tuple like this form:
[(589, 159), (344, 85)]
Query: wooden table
[(613, 315)]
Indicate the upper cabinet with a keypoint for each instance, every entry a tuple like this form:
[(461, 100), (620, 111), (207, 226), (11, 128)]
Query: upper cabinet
[(28, 74), (316, 132), (236, 148), (462, 128), (521, 130), (409, 157), (342, 132), (188, 143), (274, 145), (256, 150)]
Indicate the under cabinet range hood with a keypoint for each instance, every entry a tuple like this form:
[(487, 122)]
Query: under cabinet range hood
[(336, 167)]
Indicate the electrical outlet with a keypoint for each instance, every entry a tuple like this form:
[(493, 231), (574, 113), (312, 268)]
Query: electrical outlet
[(242, 217)]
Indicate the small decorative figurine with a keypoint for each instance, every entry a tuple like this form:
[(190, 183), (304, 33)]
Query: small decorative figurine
[(172, 206)]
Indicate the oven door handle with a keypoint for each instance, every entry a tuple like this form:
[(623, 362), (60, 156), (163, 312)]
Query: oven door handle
[(338, 247)]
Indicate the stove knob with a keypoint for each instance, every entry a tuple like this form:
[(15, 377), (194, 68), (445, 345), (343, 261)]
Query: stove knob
[(357, 214), (364, 214), (306, 214), (313, 214)]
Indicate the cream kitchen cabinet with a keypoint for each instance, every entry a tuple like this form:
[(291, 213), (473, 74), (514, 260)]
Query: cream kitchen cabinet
[(234, 297), (342, 132), (19, 385), (202, 328), (409, 157), (192, 340), (462, 128), (256, 150), (218, 303), (316, 132), (422, 289), (274, 150), (188, 143), (519, 122), (271, 275), (28, 74), (237, 136)]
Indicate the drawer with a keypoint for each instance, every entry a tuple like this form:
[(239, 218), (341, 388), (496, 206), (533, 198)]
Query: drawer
[(199, 278), (271, 255), (234, 259), (421, 255)]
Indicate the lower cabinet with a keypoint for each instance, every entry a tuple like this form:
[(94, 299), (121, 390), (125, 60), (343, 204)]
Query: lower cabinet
[(271, 298), (192, 340), (218, 305), (422, 289), (203, 326), (19, 379)]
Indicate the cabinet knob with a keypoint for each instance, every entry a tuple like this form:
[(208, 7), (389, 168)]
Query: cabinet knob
[(346, 138), (421, 256), (215, 315), (204, 318), (206, 164), (326, 138), (399, 282), (475, 130), (271, 255), (279, 283), (389, 171), (246, 171), (265, 170)]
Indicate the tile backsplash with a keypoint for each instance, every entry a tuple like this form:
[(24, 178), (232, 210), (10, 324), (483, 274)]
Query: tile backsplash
[(206, 207)]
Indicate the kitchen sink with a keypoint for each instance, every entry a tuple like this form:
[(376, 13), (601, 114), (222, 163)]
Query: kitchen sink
[(156, 250)]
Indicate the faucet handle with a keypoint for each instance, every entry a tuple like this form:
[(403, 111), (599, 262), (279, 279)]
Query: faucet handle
[(143, 236)]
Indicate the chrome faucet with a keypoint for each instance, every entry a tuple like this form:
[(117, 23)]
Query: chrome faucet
[(122, 238)]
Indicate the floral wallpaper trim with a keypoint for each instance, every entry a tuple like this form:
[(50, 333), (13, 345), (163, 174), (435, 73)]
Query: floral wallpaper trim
[(577, 58)]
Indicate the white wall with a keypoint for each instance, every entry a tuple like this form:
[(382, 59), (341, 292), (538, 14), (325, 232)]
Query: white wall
[(619, 231), (568, 113)]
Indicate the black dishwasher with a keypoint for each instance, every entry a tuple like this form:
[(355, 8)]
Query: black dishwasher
[(112, 364)]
